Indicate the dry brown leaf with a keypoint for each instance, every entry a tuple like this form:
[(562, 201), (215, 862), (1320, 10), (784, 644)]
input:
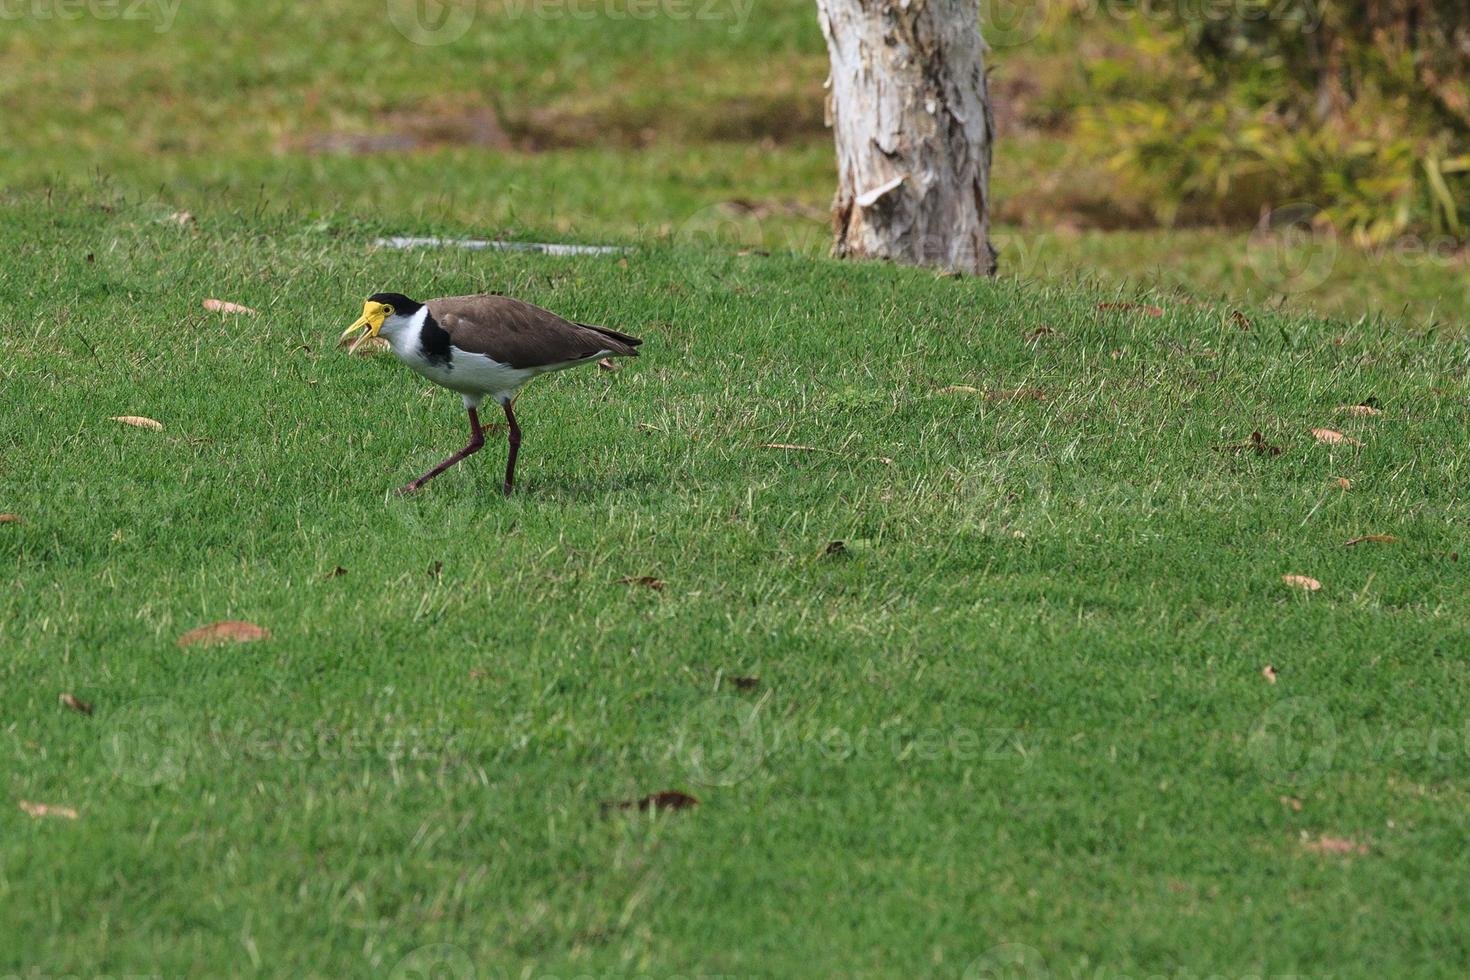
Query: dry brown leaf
[(1132, 307), (1372, 539), (1344, 482), (366, 346), (1332, 438), (40, 810), (221, 306), (75, 703), (10, 519), (1240, 320), (655, 584), (141, 421), (1291, 802), (1362, 411), (1302, 582), (1045, 330), (1335, 845), (669, 799), (1269, 673), (229, 631)]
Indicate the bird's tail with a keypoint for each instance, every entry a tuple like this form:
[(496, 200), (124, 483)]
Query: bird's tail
[(618, 343)]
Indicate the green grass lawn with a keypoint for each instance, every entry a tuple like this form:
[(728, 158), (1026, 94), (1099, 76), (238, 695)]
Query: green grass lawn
[(1017, 722)]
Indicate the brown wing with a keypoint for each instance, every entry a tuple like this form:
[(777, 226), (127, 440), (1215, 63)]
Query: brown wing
[(522, 335)]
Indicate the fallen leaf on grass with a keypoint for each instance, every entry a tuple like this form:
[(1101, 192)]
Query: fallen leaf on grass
[(1335, 845), (75, 703), (1044, 330), (229, 631), (337, 572), (221, 306), (1302, 582), (669, 799), (1362, 411), (181, 218), (40, 810), (745, 683), (1372, 539), (1344, 482), (140, 421), (1332, 437), (1269, 673), (1291, 802), (1240, 320), (10, 519), (655, 584), (1132, 307)]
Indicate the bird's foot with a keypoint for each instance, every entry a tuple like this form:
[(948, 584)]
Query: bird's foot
[(408, 490), (508, 488)]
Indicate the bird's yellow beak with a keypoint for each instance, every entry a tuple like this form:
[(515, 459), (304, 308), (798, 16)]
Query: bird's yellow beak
[(371, 321)]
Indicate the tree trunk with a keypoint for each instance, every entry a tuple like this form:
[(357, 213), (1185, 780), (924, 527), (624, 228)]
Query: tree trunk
[(910, 111)]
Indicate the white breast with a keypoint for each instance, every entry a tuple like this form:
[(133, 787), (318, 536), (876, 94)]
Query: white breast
[(473, 375)]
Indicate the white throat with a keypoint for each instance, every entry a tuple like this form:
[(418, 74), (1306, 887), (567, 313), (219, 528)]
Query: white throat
[(402, 332)]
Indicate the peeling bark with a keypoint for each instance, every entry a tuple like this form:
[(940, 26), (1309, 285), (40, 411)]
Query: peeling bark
[(910, 111)]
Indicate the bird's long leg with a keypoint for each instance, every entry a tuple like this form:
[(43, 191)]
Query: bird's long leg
[(514, 438), (477, 440)]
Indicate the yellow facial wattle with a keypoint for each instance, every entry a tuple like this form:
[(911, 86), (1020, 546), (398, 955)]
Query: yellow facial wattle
[(371, 321)]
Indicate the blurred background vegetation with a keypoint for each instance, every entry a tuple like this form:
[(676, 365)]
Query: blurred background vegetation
[(1140, 142)]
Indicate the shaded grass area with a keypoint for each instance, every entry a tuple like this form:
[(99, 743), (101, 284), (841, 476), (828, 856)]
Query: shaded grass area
[(1023, 706)]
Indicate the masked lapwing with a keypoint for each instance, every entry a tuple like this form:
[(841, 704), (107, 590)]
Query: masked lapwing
[(483, 346)]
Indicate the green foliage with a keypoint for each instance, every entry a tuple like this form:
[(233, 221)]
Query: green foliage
[(1362, 115)]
